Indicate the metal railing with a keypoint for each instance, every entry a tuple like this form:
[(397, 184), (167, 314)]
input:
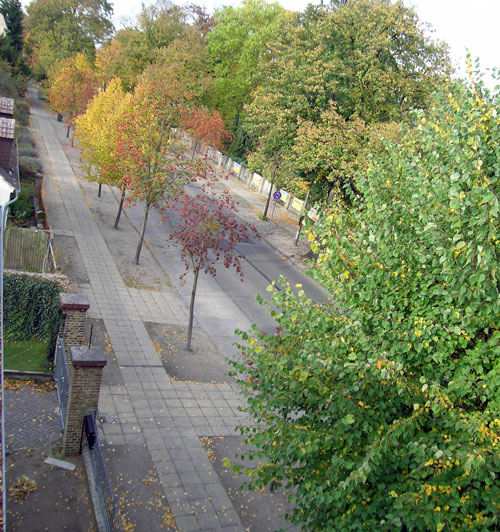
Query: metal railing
[(62, 379), (108, 500)]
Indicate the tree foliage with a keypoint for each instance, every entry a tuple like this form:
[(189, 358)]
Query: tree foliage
[(208, 234), (72, 85), (58, 29), (144, 141), (96, 131), (379, 410), (367, 61), (237, 44)]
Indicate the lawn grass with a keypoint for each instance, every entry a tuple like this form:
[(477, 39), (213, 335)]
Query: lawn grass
[(26, 356)]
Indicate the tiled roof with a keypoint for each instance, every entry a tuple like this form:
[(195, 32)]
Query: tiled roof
[(6, 105), (7, 128)]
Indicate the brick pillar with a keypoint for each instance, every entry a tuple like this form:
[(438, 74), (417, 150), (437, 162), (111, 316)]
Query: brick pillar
[(74, 308), (87, 363)]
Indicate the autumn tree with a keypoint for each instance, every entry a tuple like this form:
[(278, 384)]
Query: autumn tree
[(369, 61), (96, 132), (187, 60), (207, 231), (379, 410), (206, 127), (72, 86), (58, 29), (144, 147)]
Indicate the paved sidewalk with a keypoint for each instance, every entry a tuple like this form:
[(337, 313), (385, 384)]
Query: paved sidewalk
[(168, 417)]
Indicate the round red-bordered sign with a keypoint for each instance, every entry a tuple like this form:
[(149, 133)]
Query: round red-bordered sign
[(277, 195)]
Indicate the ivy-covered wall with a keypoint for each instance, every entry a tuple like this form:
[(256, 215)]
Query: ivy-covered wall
[(31, 308)]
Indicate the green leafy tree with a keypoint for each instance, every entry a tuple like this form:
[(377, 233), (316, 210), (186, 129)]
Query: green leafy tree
[(13, 11), (237, 43), (369, 60), (379, 410), (58, 29), (11, 44)]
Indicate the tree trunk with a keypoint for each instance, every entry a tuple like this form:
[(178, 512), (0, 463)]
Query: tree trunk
[(191, 311), (194, 149), (143, 230), (72, 140), (67, 132), (120, 207), (269, 197), (99, 190)]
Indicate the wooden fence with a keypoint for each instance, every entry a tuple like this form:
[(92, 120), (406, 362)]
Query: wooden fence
[(28, 250)]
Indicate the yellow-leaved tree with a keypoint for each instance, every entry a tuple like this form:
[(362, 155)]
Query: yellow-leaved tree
[(96, 132)]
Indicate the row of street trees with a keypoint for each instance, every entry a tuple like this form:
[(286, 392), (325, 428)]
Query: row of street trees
[(319, 87)]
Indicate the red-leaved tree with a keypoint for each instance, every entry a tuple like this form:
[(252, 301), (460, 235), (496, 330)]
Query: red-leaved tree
[(207, 128), (207, 233)]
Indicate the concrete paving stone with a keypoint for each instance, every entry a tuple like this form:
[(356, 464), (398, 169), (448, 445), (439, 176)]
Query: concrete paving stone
[(189, 403), (118, 390), (160, 455), (224, 411), (199, 421), (181, 385), (208, 522), (159, 412), (134, 439), (154, 394), (233, 528), (130, 428), (143, 413), (217, 403), (184, 466), (112, 428), (124, 407), (169, 393), (215, 489), (190, 479), (116, 439), (174, 402), (128, 417), (176, 412), (189, 432), (232, 421), (229, 517), (194, 412), (151, 432), (222, 504), (157, 403), (179, 454), (169, 480), (210, 412), (185, 394), (187, 523), (155, 443), (149, 423), (174, 443), (164, 422)]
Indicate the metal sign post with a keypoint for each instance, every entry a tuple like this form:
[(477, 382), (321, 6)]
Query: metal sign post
[(276, 196)]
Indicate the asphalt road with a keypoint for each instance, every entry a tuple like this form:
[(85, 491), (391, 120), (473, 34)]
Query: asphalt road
[(224, 303)]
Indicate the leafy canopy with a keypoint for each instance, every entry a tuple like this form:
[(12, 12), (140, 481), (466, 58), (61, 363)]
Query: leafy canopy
[(380, 411)]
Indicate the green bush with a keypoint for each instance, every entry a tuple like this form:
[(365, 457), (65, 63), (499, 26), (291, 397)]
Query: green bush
[(380, 411), (31, 309), (21, 112), (26, 149), (24, 136), (29, 166), (22, 209)]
